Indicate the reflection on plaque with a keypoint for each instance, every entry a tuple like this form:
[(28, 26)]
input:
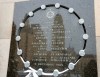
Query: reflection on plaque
[(51, 46), (34, 44)]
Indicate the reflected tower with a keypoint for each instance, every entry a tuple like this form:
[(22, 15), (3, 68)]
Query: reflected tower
[(58, 34)]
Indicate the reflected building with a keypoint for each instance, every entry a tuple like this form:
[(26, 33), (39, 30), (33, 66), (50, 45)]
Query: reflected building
[(58, 34), (60, 56), (33, 43), (37, 53), (39, 40)]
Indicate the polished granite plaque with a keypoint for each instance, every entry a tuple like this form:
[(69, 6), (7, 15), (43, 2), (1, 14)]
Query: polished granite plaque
[(53, 36)]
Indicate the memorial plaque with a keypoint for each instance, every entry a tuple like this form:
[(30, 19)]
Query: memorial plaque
[(55, 36)]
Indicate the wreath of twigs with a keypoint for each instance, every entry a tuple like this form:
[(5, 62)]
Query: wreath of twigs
[(55, 73)]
